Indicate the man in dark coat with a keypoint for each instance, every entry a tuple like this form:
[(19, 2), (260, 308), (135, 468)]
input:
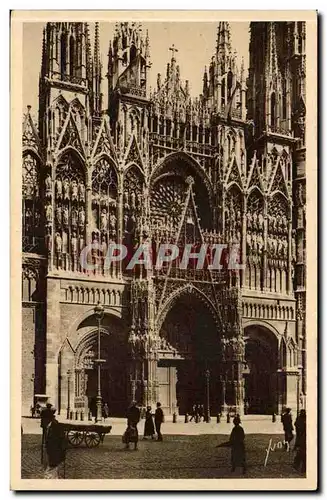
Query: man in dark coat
[(288, 426), (46, 418), (133, 414), (158, 420), (131, 434), (236, 442), (300, 460), (55, 446)]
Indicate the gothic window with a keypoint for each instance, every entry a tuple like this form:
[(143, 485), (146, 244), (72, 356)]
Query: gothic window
[(132, 53), (167, 201), (229, 83), (104, 203), (31, 216), (71, 55), (69, 216), (273, 110), (63, 54), (223, 92)]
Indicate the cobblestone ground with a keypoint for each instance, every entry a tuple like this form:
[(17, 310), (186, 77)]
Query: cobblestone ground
[(177, 457)]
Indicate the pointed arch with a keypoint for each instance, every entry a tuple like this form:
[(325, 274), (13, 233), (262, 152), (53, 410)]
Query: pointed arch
[(77, 168), (176, 168), (173, 298)]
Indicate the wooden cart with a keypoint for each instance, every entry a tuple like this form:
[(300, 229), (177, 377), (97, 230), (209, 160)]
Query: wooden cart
[(91, 434)]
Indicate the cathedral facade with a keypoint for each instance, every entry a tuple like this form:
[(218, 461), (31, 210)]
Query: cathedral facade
[(161, 167)]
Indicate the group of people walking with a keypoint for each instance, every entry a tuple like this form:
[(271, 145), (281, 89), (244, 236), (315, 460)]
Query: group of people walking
[(152, 424), (197, 413)]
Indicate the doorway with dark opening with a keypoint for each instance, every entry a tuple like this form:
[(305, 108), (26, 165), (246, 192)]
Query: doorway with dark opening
[(189, 359)]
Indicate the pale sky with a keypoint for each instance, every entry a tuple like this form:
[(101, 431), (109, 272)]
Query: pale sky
[(196, 43)]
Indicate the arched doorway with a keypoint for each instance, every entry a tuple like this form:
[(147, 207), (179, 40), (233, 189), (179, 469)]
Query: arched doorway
[(261, 355), (113, 371), (190, 346)]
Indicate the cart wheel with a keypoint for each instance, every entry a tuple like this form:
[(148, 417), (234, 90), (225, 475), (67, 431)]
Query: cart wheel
[(75, 437), (92, 439)]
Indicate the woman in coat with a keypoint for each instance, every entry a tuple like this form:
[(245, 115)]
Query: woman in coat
[(237, 445), (149, 425)]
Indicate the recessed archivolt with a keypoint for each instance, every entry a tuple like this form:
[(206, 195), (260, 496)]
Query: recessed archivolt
[(178, 294)]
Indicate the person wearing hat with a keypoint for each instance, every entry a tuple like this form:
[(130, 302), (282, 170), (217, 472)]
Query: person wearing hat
[(46, 417), (300, 460), (148, 425), (236, 442), (159, 418), (288, 427), (55, 445)]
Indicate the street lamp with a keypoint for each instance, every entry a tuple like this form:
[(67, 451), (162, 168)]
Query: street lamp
[(99, 313), (207, 375), (68, 393)]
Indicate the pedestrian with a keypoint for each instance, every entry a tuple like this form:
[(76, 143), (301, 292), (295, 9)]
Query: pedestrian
[(131, 435), (133, 414), (105, 411), (236, 441), (148, 425), (300, 460), (288, 427), (46, 418), (193, 412), (159, 418), (201, 412), (55, 445)]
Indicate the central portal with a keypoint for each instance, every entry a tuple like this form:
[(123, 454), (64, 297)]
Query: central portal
[(189, 358)]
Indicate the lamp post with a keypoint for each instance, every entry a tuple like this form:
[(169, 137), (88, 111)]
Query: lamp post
[(207, 375), (68, 393), (99, 313)]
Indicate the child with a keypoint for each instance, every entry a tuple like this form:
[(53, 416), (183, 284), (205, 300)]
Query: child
[(131, 436)]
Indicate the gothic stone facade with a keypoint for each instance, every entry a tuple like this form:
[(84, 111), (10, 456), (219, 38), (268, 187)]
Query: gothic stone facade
[(160, 166)]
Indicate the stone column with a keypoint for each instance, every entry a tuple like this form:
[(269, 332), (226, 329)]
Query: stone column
[(52, 339)]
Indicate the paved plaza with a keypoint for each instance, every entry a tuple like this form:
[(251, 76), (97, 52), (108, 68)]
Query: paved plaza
[(188, 451)]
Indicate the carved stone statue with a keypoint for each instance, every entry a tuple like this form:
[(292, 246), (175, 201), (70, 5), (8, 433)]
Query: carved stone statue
[(133, 199), (74, 244), (58, 243), (59, 215), (48, 213), (249, 220), (48, 186), (112, 222), (81, 191), (104, 220), (81, 242), (66, 189), (65, 216), (74, 217), (139, 200), (104, 246), (285, 247), (254, 242), (274, 246), (58, 189), (81, 217), (260, 243), (255, 219), (126, 199), (74, 191), (125, 222)]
